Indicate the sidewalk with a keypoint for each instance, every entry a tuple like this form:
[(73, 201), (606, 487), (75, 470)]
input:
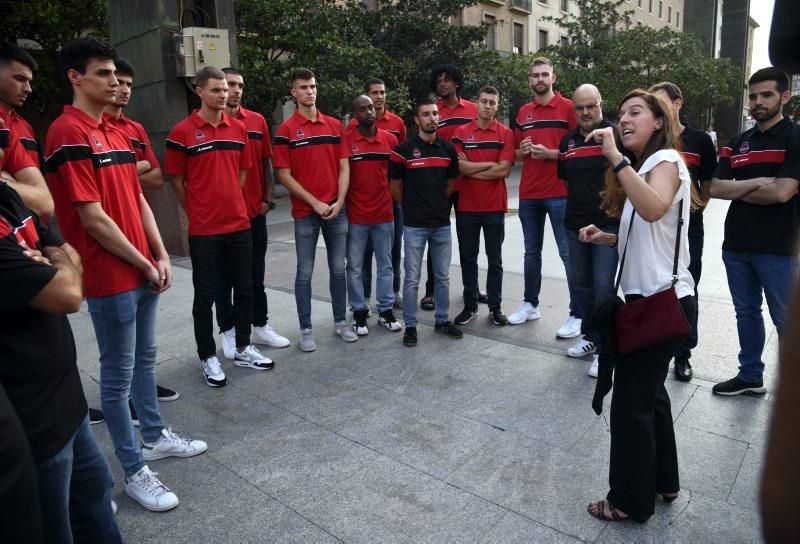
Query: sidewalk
[(486, 439)]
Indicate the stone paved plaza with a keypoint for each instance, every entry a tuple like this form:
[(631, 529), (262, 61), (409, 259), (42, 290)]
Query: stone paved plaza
[(486, 439)]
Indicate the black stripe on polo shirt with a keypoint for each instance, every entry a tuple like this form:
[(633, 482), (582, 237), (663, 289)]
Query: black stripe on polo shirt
[(361, 157), (314, 140), (482, 145), (215, 145), (30, 144), (544, 123), (255, 135), (4, 136), (454, 121), (139, 145), (395, 133), (176, 146), (68, 153)]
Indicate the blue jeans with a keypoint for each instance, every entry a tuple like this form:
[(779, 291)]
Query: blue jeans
[(222, 298), (381, 236), (125, 327), (748, 275), (439, 247), (306, 234), (695, 269), (532, 214), (468, 229), (75, 489), (397, 255), (593, 270)]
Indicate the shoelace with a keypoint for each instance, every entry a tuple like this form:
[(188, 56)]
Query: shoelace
[(175, 439), (252, 349), (153, 485), (213, 366)]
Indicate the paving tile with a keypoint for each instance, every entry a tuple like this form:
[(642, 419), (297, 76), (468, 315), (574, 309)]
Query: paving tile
[(515, 528), (708, 463), (748, 481), (744, 418), (710, 520)]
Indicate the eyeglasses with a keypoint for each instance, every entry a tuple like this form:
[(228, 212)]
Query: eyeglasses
[(590, 107)]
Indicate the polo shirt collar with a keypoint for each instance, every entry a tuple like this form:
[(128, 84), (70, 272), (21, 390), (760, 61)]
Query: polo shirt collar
[(360, 136), (122, 119), (11, 112), (423, 142), (578, 134), (774, 129), (199, 121), (242, 113), (83, 117), (555, 101), (305, 120), (461, 104), (492, 126)]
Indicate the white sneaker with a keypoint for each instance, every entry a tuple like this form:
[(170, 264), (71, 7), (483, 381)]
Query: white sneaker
[(252, 358), (114, 507), (147, 490), (229, 343), (593, 369), (343, 330), (267, 336), (570, 329), (583, 347), (170, 444), (213, 372), (526, 312)]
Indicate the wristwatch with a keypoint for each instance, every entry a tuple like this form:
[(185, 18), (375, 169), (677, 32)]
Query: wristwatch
[(622, 164)]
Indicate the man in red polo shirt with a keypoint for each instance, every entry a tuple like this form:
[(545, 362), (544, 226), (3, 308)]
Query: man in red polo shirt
[(309, 163), (21, 166), (375, 89), (486, 154), (259, 196), (540, 125), (91, 169), (208, 158), (369, 213)]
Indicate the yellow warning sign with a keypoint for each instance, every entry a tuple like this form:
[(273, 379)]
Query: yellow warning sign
[(212, 47)]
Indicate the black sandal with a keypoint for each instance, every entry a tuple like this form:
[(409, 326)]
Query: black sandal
[(668, 497), (615, 513)]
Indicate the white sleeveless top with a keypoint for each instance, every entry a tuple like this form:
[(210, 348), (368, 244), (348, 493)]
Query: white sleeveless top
[(651, 251)]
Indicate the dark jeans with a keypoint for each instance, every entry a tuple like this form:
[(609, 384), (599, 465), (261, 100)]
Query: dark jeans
[(222, 300), (644, 458), (235, 249), (397, 254), (20, 513), (593, 269), (695, 268), (468, 230), (75, 489)]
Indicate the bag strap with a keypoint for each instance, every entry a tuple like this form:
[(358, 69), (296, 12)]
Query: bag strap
[(677, 247)]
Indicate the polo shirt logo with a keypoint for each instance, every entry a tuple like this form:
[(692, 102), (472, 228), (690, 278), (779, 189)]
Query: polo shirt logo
[(199, 136), (416, 153), (354, 148), (745, 147), (299, 133), (471, 138), (529, 118), (97, 143), (571, 145)]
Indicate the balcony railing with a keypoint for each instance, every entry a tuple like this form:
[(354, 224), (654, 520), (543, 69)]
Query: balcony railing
[(522, 5)]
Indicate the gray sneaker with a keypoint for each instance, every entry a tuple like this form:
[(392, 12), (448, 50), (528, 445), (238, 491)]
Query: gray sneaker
[(342, 329), (307, 340)]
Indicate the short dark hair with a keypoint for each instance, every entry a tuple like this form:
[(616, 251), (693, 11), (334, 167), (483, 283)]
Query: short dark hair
[(672, 90), (423, 102), (771, 74), (450, 71), (541, 60), (124, 67), (488, 89), (10, 52), (76, 54), (301, 73), (370, 82), (232, 70), (206, 73)]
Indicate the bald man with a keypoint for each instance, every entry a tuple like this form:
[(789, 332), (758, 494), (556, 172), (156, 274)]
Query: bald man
[(582, 166), (370, 213)]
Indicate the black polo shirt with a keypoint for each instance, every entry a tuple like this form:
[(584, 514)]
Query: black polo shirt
[(754, 228), (700, 157), (424, 169), (582, 166), (38, 367)]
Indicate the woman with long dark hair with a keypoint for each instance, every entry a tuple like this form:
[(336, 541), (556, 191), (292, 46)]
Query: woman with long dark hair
[(650, 195)]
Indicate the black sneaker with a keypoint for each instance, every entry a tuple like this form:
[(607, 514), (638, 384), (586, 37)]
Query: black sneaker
[(410, 337), (166, 395), (387, 319), (448, 329), (483, 298), (735, 386), (96, 416), (498, 317), (683, 370), (466, 315), (360, 322), (134, 417)]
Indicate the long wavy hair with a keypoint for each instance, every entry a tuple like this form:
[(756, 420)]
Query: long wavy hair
[(666, 137)]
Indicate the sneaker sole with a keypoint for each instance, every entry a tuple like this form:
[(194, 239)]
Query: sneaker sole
[(158, 456), (410, 344), (308, 350), (97, 422), (261, 342), (152, 508), (388, 326), (218, 384), (449, 335), (753, 390), (347, 339), (246, 364), (529, 318), (471, 318), (579, 355), (359, 333), (170, 398)]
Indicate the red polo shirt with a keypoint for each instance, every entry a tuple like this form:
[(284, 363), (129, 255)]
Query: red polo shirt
[(210, 158), (369, 200), (493, 144), (22, 149), (450, 119), (391, 123), (89, 161), (139, 140), (545, 125), (260, 148), (311, 151)]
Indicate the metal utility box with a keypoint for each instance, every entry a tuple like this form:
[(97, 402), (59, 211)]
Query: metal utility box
[(199, 47)]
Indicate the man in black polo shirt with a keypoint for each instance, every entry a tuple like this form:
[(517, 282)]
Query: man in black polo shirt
[(40, 282), (759, 171), (701, 159), (421, 174), (582, 166)]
